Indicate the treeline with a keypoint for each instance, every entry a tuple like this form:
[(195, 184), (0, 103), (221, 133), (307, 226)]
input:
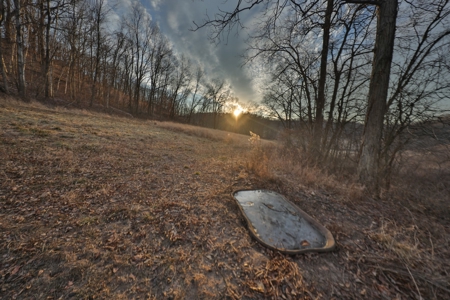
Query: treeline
[(332, 63), (266, 128), (83, 52), (330, 87)]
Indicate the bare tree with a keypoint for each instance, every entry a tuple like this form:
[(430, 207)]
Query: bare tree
[(8, 22), (368, 166), (217, 94), (420, 72), (180, 86), (195, 98), (164, 84), (2, 67), (117, 44), (283, 97), (99, 14), (141, 30), (127, 73), (159, 53), (21, 85), (50, 12), (320, 103)]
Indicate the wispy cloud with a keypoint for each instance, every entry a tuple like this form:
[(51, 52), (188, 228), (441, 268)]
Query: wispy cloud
[(224, 60)]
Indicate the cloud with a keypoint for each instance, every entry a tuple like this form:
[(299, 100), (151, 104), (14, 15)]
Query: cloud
[(172, 20), (155, 4), (224, 60)]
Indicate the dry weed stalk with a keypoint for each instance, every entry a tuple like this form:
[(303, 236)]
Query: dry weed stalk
[(257, 161), (401, 241)]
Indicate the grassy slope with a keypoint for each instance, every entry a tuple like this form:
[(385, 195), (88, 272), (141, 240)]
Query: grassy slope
[(103, 207)]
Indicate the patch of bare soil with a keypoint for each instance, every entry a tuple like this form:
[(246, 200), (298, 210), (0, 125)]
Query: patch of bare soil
[(93, 206)]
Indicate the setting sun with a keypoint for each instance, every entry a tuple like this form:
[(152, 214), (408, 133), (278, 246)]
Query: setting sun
[(237, 112)]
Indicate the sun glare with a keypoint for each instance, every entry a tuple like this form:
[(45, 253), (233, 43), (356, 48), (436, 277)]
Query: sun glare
[(237, 112)]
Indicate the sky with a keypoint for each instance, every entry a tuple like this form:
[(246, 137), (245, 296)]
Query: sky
[(176, 17), (224, 60)]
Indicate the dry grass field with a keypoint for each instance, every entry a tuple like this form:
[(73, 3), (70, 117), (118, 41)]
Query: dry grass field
[(94, 206)]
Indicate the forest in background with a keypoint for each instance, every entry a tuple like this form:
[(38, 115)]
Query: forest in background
[(332, 63), (73, 52)]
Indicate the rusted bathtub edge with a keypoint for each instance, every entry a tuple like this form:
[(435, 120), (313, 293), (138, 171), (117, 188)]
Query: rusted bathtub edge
[(329, 245)]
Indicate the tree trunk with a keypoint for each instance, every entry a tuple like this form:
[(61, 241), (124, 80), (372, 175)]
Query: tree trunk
[(322, 78), (20, 59), (98, 21), (94, 80), (2, 66), (3, 72), (368, 167), (47, 59), (8, 21)]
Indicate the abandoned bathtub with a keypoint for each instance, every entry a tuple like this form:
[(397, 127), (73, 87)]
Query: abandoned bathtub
[(280, 225)]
